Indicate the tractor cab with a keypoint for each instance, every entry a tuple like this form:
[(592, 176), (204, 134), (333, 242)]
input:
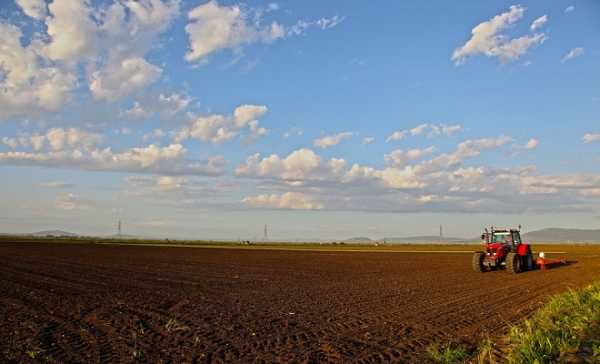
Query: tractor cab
[(500, 238)]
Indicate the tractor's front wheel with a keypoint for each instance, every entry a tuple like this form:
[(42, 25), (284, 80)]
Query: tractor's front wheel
[(477, 262), (513, 263)]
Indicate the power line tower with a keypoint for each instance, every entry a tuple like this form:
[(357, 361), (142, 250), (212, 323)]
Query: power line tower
[(266, 234)]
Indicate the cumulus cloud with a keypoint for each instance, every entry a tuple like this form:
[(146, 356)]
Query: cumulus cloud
[(538, 23), (213, 28), (288, 200), (591, 137), (167, 106), (299, 165), (429, 130), (56, 139), (569, 9), (72, 31), (218, 128), (432, 130), (398, 158), (367, 140), (35, 9), (532, 143), (120, 79), (573, 53), (396, 136), (29, 86), (169, 160), (332, 140), (487, 38), (417, 181)]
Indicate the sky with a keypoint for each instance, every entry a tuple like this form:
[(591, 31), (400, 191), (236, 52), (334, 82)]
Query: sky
[(322, 120)]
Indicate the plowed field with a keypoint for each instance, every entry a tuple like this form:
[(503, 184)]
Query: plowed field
[(101, 304)]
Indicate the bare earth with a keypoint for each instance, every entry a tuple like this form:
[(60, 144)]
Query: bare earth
[(92, 303)]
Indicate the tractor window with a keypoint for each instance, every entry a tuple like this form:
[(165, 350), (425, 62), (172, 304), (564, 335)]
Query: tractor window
[(501, 238), (516, 237)]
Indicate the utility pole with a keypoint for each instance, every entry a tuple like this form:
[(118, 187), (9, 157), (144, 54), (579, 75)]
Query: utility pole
[(119, 228), (441, 232), (266, 234)]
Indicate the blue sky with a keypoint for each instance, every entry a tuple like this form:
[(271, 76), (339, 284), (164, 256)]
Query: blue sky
[(324, 120)]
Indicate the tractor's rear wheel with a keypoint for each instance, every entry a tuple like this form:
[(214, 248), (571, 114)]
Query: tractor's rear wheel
[(477, 262), (513, 263)]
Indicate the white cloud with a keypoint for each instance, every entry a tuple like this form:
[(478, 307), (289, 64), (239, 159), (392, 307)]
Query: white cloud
[(299, 165), (324, 23), (167, 106), (169, 160), (72, 32), (137, 111), (432, 130), (573, 53), (591, 137), (244, 114), (56, 138), (332, 140), (118, 80), (398, 158), (169, 183), (35, 9), (12, 143), (441, 183), (288, 200), (397, 135), (213, 28), (487, 39), (367, 140), (569, 9), (217, 128), (29, 87), (538, 23), (532, 143)]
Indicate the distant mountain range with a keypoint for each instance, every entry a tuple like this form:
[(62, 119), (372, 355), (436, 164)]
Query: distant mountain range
[(550, 235), (556, 235), (54, 233)]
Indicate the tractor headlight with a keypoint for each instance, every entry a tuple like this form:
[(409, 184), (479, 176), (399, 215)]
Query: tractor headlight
[(541, 255)]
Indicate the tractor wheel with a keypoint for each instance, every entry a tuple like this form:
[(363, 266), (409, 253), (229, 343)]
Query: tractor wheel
[(477, 262), (513, 263)]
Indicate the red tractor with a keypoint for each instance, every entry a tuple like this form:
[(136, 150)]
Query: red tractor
[(503, 249)]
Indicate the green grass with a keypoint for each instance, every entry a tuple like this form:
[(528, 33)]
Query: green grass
[(447, 354), (566, 329)]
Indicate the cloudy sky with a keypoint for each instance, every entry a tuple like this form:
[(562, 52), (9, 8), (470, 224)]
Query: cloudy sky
[(187, 118)]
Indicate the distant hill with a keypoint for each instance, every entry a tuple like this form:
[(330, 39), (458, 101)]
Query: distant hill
[(557, 235), (54, 233), (359, 239), (424, 239)]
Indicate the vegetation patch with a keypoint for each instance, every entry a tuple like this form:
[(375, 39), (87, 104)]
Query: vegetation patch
[(565, 330)]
